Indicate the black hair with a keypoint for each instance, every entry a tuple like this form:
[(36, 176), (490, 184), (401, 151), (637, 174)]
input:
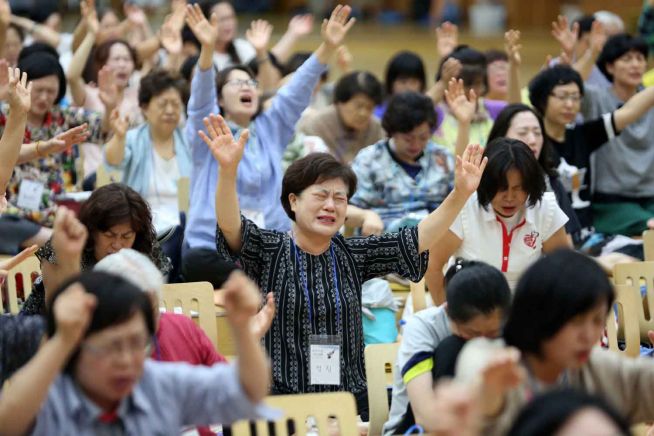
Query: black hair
[(40, 60), (189, 37), (158, 81), (542, 84), (475, 288), (548, 413), (616, 47), (585, 23), (206, 7), (494, 55), (223, 76), (358, 82), (117, 301), (503, 155), (311, 169), (408, 110), (296, 60), (405, 65), (253, 64), (502, 125), (550, 293), (186, 70), (473, 66)]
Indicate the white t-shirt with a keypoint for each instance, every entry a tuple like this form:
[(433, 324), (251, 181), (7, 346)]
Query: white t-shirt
[(244, 50), (162, 193), (484, 236)]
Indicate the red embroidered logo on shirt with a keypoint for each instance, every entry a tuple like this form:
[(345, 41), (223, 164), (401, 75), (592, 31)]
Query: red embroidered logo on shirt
[(530, 239)]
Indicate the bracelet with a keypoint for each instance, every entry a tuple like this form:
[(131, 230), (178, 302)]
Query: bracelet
[(38, 152)]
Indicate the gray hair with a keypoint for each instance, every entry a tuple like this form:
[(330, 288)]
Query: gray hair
[(134, 267), (610, 19)]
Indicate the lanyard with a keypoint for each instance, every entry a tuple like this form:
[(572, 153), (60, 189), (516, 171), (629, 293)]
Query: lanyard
[(305, 283)]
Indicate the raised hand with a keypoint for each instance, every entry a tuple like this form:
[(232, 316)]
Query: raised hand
[(512, 46), (89, 16), (107, 87), (178, 13), (334, 29), (72, 136), (344, 59), (564, 35), (18, 91), (242, 299), (5, 13), (9, 264), (73, 311), (68, 235), (259, 35), (597, 37), (447, 38), (170, 36), (224, 148), (135, 15), (451, 69), (469, 169), (264, 318), (301, 25), (203, 30), (461, 106), (119, 125)]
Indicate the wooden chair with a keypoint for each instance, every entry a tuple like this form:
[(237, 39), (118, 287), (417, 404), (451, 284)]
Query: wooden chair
[(27, 268), (193, 297), (104, 176), (627, 327), (648, 245), (183, 194), (380, 366), (637, 274), (298, 408)]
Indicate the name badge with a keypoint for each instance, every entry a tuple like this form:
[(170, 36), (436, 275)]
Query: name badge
[(30, 194), (256, 216), (324, 360)]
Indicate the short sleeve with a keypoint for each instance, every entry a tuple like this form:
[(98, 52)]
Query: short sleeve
[(415, 356), (553, 216), (376, 256), (208, 353), (457, 225)]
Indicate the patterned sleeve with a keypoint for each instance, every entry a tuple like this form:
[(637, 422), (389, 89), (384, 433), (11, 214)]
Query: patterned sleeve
[(388, 253), (47, 253), (365, 196), (253, 243), (20, 337), (77, 116)]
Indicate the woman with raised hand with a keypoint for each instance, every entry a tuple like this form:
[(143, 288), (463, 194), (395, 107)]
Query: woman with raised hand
[(234, 94), (315, 273)]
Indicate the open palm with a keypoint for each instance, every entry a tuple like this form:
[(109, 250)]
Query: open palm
[(19, 91), (564, 35), (469, 169), (462, 107), (335, 28), (203, 30), (259, 34), (512, 46), (227, 151), (107, 87), (73, 136)]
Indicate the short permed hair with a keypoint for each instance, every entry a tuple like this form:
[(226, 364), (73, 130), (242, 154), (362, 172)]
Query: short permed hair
[(405, 64), (550, 293), (118, 301), (311, 169), (543, 83), (358, 82), (157, 82), (503, 155), (408, 110), (475, 288), (616, 47)]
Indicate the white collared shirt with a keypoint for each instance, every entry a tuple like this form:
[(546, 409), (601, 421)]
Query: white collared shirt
[(485, 237)]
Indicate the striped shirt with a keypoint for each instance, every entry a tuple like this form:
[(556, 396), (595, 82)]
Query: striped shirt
[(269, 258)]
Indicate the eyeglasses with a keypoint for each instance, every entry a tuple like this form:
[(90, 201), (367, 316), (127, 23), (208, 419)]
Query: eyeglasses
[(174, 104), (573, 98), (137, 345), (241, 83)]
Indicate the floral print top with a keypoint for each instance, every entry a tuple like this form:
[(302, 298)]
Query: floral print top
[(57, 172)]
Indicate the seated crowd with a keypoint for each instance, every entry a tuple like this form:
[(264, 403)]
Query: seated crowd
[(504, 198)]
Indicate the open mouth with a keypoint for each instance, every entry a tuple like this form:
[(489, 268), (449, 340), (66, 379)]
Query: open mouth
[(246, 99), (327, 220)]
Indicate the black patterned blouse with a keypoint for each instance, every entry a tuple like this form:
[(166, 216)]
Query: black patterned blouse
[(35, 303), (20, 337), (269, 258)]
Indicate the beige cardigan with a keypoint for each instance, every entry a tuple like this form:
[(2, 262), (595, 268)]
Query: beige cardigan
[(626, 383)]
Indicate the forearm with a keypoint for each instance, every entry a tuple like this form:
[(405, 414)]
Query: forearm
[(268, 76), (462, 137), (174, 62), (114, 151), (436, 92), (284, 47), (205, 61), (54, 275), (228, 213), (78, 35), (76, 68), (25, 393), (324, 53), (515, 95), (38, 31), (253, 366), (355, 216), (584, 65), (146, 49), (10, 144), (106, 120), (437, 223), (634, 108), (29, 152)]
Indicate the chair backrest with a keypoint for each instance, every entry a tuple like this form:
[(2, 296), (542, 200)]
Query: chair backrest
[(104, 176), (307, 407), (418, 295), (183, 194), (622, 322), (194, 297), (380, 365), (648, 245), (27, 268), (639, 274)]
